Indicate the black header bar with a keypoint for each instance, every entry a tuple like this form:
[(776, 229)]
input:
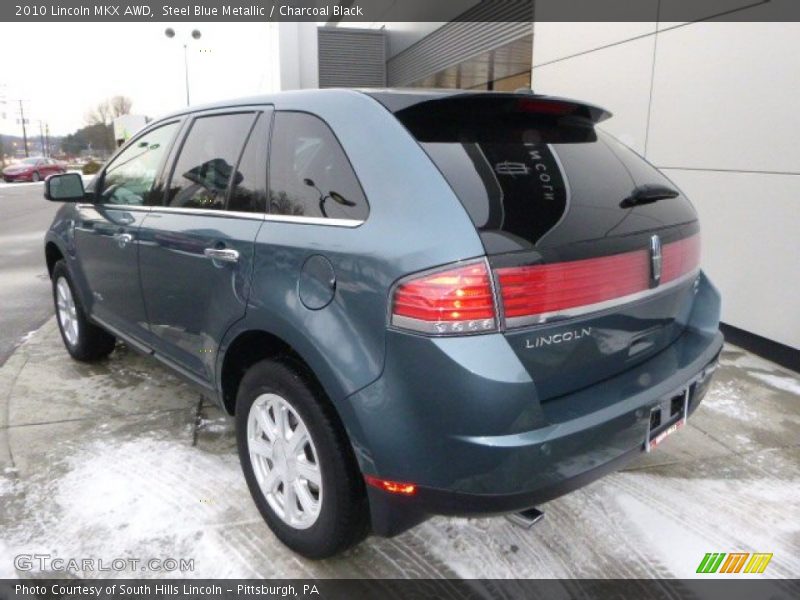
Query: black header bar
[(379, 11)]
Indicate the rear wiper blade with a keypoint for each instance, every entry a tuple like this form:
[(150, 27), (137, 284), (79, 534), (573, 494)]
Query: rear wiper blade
[(647, 193)]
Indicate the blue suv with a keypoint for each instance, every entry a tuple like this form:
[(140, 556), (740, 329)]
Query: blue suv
[(412, 302)]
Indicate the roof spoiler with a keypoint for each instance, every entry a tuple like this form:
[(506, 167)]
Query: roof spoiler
[(516, 102)]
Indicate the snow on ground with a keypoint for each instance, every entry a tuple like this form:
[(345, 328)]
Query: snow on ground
[(144, 497), (782, 382), (725, 397), (156, 497), (142, 469)]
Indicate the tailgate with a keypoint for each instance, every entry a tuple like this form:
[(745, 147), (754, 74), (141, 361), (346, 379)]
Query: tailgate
[(594, 252)]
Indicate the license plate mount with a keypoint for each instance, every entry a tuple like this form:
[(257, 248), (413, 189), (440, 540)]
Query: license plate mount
[(656, 435)]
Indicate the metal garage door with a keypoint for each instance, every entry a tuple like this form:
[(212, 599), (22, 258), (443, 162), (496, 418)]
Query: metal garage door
[(351, 57)]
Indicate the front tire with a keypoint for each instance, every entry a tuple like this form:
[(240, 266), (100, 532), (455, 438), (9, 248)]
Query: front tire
[(84, 341), (36, 177), (298, 462)]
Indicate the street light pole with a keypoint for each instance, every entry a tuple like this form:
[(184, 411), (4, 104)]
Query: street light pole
[(186, 71), (170, 33)]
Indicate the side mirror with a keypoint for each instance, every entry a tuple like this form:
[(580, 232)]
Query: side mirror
[(67, 187)]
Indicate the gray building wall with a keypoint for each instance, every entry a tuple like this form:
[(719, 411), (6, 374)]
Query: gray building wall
[(351, 57)]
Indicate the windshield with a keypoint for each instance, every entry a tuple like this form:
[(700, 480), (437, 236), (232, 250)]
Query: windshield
[(31, 161)]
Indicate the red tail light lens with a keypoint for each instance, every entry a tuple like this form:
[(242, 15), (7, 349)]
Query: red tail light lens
[(393, 487), (680, 258), (537, 293), (455, 301)]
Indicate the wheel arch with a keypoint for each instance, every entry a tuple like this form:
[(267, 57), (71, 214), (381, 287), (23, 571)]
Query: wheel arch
[(247, 346), (52, 254)]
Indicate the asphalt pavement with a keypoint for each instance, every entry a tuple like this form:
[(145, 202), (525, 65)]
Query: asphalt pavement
[(25, 301)]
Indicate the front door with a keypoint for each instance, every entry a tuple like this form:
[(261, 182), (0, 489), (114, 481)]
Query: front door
[(196, 255), (106, 232)]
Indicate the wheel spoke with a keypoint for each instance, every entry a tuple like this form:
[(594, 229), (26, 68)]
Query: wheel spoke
[(307, 502), (283, 422), (309, 472), (260, 447), (289, 502), (262, 418), (271, 481), (298, 439)]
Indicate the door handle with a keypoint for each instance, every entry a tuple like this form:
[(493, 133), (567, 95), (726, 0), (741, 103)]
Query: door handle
[(123, 239), (222, 254)]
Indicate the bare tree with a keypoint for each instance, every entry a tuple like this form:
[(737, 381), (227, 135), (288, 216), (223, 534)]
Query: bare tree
[(120, 105), (100, 114), (104, 114)]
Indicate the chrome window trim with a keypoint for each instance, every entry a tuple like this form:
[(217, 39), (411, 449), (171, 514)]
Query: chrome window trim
[(313, 220), (207, 212), (231, 214), (542, 318), (129, 207)]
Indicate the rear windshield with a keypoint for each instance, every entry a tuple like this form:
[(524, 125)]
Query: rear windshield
[(529, 179)]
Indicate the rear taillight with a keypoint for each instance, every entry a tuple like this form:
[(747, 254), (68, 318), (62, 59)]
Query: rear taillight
[(458, 300), (537, 293), (680, 258), (543, 290)]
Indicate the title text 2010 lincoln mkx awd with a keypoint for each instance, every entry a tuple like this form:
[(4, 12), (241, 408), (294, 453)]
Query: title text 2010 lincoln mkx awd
[(412, 302)]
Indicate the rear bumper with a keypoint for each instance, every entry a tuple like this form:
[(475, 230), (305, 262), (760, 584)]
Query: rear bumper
[(467, 428)]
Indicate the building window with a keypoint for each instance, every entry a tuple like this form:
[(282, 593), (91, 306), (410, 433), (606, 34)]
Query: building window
[(502, 69)]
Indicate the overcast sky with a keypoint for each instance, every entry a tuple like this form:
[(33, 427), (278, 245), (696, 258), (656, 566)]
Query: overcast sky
[(64, 69)]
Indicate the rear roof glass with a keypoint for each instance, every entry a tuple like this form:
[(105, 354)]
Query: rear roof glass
[(529, 172)]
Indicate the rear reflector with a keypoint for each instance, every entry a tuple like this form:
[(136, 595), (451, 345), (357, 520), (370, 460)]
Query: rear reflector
[(453, 301), (393, 487), (534, 294)]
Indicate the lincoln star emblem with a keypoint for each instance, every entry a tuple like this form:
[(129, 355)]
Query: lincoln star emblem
[(655, 261)]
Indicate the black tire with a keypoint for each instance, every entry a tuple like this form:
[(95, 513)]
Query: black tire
[(91, 343), (343, 519), (36, 177)]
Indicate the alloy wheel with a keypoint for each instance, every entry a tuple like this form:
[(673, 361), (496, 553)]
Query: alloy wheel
[(284, 460), (67, 312)]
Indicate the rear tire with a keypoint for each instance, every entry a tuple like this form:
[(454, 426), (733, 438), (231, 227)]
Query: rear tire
[(324, 518), (84, 340)]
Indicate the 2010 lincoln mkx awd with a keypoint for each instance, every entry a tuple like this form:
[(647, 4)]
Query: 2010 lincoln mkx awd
[(412, 302)]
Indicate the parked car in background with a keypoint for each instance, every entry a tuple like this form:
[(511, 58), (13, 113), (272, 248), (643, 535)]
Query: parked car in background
[(33, 169), (412, 302)]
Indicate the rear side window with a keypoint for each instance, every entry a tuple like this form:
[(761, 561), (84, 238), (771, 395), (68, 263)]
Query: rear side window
[(309, 174), (207, 161)]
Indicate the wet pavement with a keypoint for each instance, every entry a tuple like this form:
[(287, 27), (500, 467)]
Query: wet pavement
[(122, 460)]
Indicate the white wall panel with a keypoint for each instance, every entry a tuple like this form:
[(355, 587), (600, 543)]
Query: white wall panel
[(616, 78), (751, 247), (724, 97), (555, 40)]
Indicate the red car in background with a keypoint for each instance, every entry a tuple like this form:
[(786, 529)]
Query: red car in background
[(33, 169)]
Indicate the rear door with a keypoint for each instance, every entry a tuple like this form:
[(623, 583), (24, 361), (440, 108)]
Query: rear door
[(593, 251), (196, 256)]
